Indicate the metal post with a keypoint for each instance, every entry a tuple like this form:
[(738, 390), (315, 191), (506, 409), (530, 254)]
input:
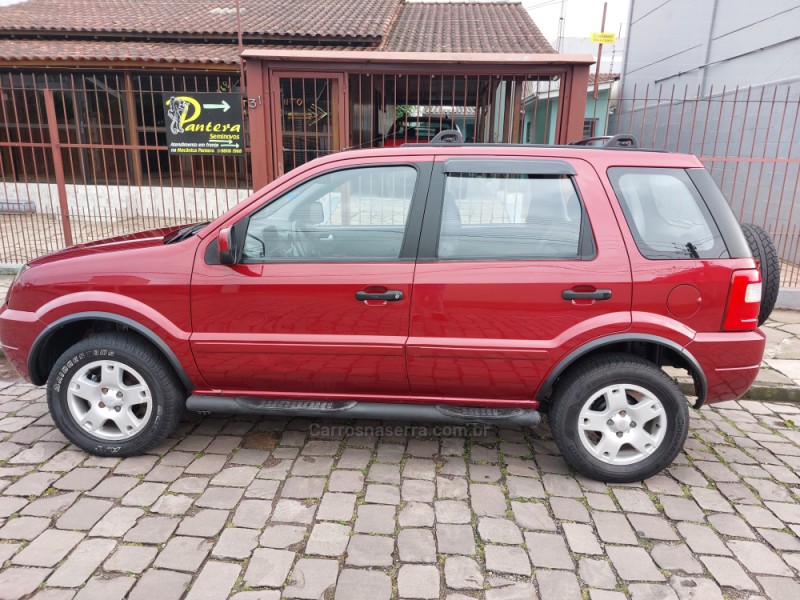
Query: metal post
[(600, 51), (58, 164)]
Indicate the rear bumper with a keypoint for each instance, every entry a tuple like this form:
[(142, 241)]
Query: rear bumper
[(729, 360), (18, 330)]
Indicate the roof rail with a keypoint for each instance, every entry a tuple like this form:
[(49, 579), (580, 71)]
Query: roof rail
[(621, 140), (448, 136)]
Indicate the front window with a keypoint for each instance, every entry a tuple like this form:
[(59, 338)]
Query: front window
[(352, 214)]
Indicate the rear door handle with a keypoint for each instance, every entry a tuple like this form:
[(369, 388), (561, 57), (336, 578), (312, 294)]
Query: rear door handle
[(595, 295), (388, 296)]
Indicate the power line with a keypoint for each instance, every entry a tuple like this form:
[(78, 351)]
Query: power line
[(650, 12), (719, 37)]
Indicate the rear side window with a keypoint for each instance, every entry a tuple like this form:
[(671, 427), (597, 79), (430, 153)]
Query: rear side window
[(510, 216), (666, 214)]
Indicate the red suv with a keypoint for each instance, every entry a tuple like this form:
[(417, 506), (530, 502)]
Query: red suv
[(437, 282)]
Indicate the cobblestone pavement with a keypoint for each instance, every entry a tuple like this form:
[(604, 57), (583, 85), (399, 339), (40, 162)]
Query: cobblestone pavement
[(266, 509)]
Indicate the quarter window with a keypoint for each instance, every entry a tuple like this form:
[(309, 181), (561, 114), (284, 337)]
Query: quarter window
[(353, 214), (666, 214), (510, 216)]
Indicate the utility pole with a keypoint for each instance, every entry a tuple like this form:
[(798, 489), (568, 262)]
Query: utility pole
[(241, 43), (561, 26), (599, 51)]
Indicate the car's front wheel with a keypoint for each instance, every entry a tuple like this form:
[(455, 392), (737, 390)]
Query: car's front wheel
[(618, 418), (114, 395)]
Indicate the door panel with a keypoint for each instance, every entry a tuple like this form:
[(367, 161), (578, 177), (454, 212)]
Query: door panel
[(492, 328), (287, 318)]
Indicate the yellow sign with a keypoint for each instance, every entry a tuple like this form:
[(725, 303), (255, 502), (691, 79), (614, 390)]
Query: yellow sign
[(599, 37)]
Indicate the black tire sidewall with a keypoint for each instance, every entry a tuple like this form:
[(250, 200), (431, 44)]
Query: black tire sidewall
[(79, 356), (565, 414)]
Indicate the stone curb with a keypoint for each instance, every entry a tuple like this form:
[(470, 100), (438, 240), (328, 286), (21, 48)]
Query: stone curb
[(759, 391)]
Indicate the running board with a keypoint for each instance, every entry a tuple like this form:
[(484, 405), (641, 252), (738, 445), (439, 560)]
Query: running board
[(384, 411)]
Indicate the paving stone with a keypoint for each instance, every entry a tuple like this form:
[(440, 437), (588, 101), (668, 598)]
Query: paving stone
[(81, 479), (262, 489), (651, 591), (462, 573), (48, 549), (64, 461), (728, 572), (524, 487), (731, 525), (23, 528), (370, 551), (419, 468), (346, 481), (613, 528), (532, 515), (303, 487), (781, 540), (133, 559), (513, 591), (452, 511), (653, 528), (7, 550), (416, 546), (136, 465), (172, 504), (18, 582), (484, 473), (758, 558), (455, 539), (236, 543), (354, 458), (10, 505), (455, 488), (152, 530), (676, 557), (382, 494), (558, 584), (561, 486), (633, 564), (220, 497), (115, 588), (788, 513), (548, 550), (328, 539), (702, 539), (268, 568), (33, 484), (184, 553), (144, 494), (252, 513), (282, 536), (499, 531), (416, 514), (695, 588), (157, 583), (375, 519), (204, 523), (235, 476), (597, 573), (80, 565), (758, 516), (681, 509), (114, 487), (635, 501), (49, 506), (711, 500), (487, 500), (359, 584), (294, 511), (84, 514), (37, 453), (164, 474), (307, 466), (215, 581), (780, 588), (210, 464), (418, 582), (336, 507), (311, 578), (382, 473), (581, 538), (418, 490)]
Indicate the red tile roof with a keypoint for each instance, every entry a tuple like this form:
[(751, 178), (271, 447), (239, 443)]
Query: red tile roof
[(349, 19), (204, 31), (603, 78), (483, 27)]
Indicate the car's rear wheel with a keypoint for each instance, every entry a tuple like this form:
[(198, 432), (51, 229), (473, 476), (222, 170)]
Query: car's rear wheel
[(765, 252), (618, 418), (114, 395)]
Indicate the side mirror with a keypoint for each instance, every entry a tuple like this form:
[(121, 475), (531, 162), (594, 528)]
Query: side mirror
[(226, 246)]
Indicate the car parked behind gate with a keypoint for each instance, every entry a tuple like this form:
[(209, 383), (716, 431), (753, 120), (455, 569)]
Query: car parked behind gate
[(432, 282)]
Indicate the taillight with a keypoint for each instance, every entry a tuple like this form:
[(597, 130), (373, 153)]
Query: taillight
[(744, 301)]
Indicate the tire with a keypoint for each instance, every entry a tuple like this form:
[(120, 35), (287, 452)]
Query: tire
[(765, 252), (123, 390), (573, 405)]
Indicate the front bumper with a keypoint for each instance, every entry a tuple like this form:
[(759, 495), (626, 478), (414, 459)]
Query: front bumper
[(729, 360), (18, 331)]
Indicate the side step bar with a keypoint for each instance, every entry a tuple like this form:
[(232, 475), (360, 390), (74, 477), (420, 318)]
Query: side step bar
[(383, 411)]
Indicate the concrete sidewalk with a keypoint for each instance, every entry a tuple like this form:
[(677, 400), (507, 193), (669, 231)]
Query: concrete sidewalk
[(779, 379)]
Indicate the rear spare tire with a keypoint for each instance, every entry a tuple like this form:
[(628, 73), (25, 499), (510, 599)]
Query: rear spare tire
[(765, 252)]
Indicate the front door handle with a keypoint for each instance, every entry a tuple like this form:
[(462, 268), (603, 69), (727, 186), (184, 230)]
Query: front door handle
[(387, 296), (595, 295)]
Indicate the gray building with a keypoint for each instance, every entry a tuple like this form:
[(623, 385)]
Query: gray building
[(721, 79)]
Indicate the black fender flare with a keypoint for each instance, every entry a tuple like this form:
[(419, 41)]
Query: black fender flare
[(41, 341), (695, 370)]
